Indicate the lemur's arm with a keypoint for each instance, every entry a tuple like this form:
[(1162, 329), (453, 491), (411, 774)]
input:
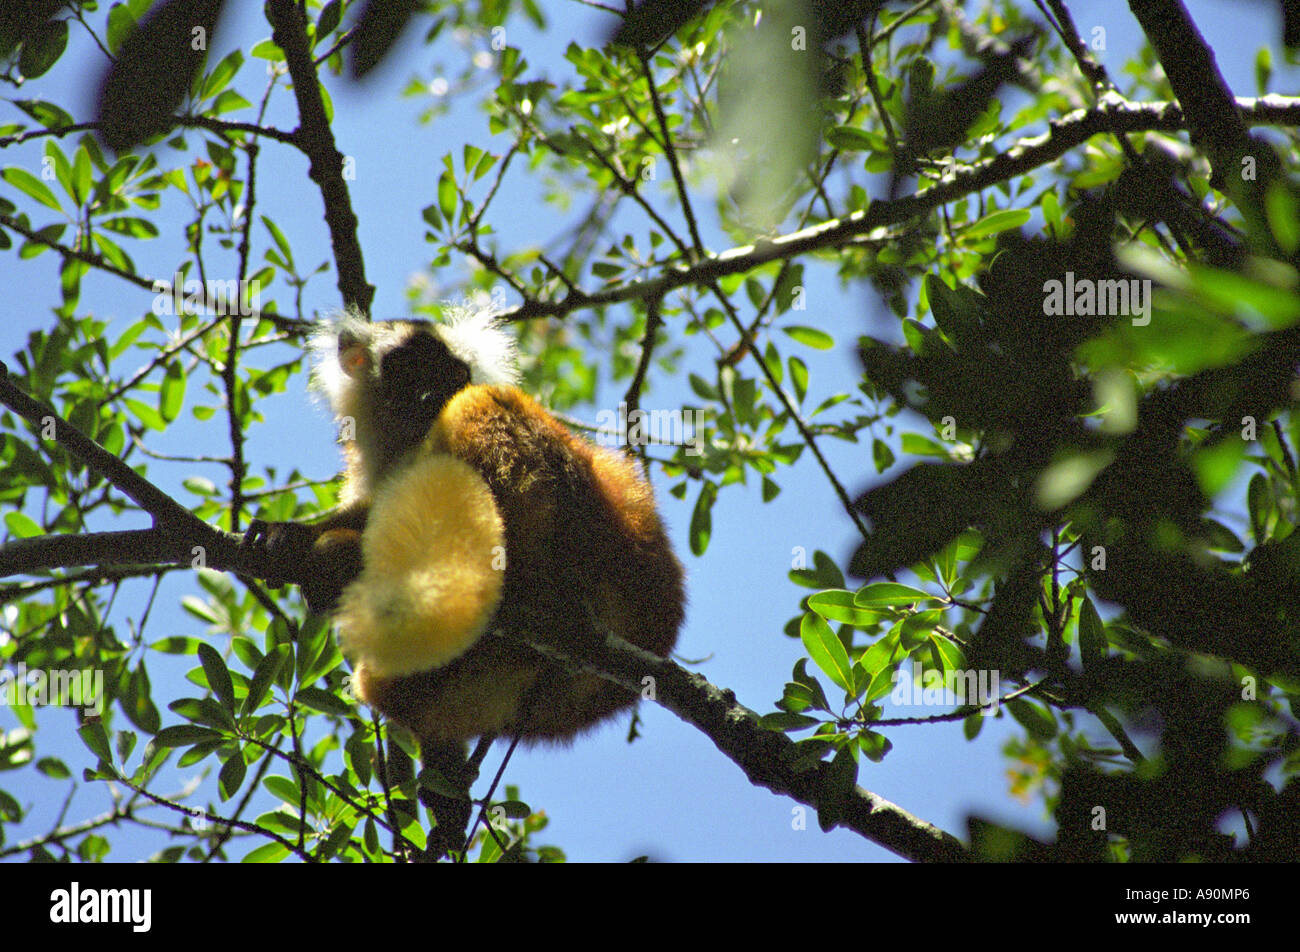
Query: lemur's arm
[(322, 558)]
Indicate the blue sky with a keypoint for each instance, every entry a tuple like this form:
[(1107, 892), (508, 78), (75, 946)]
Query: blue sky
[(671, 794)]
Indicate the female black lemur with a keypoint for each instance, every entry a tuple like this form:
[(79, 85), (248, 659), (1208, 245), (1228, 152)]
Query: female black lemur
[(464, 502)]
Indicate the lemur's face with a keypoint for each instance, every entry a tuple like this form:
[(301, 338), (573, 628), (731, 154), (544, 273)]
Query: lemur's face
[(388, 381), (411, 373)]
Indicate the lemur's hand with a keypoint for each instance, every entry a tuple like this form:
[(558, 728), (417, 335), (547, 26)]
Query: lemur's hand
[(321, 563)]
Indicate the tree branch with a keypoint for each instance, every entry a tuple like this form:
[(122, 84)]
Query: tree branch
[(764, 755), (315, 137), (1020, 158), (178, 535), (1212, 117)]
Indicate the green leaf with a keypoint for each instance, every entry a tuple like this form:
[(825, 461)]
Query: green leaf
[(998, 221), (447, 196), (1051, 206), (82, 175), (200, 485), (950, 657), (784, 722), (53, 768), (881, 455), (285, 789), (874, 746), (916, 628), (1034, 718), (17, 747), (826, 650), (130, 225), (264, 677), (432, 217), (1263, 70), (796, 698), (171, 394), (470, 156), (703, 389), (200, 609), (46, 113), (891, 594), (881, 683), (266, 853), (853, 139), (146, 414), (824, 573), (136, 700), (799, 377), (811, 337), (22, 526), (205, 712), (183, 735), (95, 737), (838, 605), (814, 687), (514, 809), (286, 251), (915, 444), (30, 185), (120, 24), (218, 676), (232, 775), (1092, 634), (267, 50), (127, 338), (323, 701), (247, 652), (702, 518), (1283, 210), (329, 18), (223, 73)]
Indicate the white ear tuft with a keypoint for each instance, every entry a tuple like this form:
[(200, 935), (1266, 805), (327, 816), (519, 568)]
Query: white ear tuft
[(476, 336), (328, 376)]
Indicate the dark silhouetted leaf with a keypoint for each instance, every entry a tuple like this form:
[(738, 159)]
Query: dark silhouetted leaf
[(377, 29), (154, 70)]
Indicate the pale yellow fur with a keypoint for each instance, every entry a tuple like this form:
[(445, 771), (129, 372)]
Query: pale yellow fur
[(433, 550)]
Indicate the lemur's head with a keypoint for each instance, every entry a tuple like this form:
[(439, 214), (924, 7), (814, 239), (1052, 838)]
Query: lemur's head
[(387, 381)]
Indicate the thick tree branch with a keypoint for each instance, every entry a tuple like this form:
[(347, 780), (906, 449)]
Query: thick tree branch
[(315, 137), (764, 755), (178, 536), (167, 513), (129, 547), (1212, 114)]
